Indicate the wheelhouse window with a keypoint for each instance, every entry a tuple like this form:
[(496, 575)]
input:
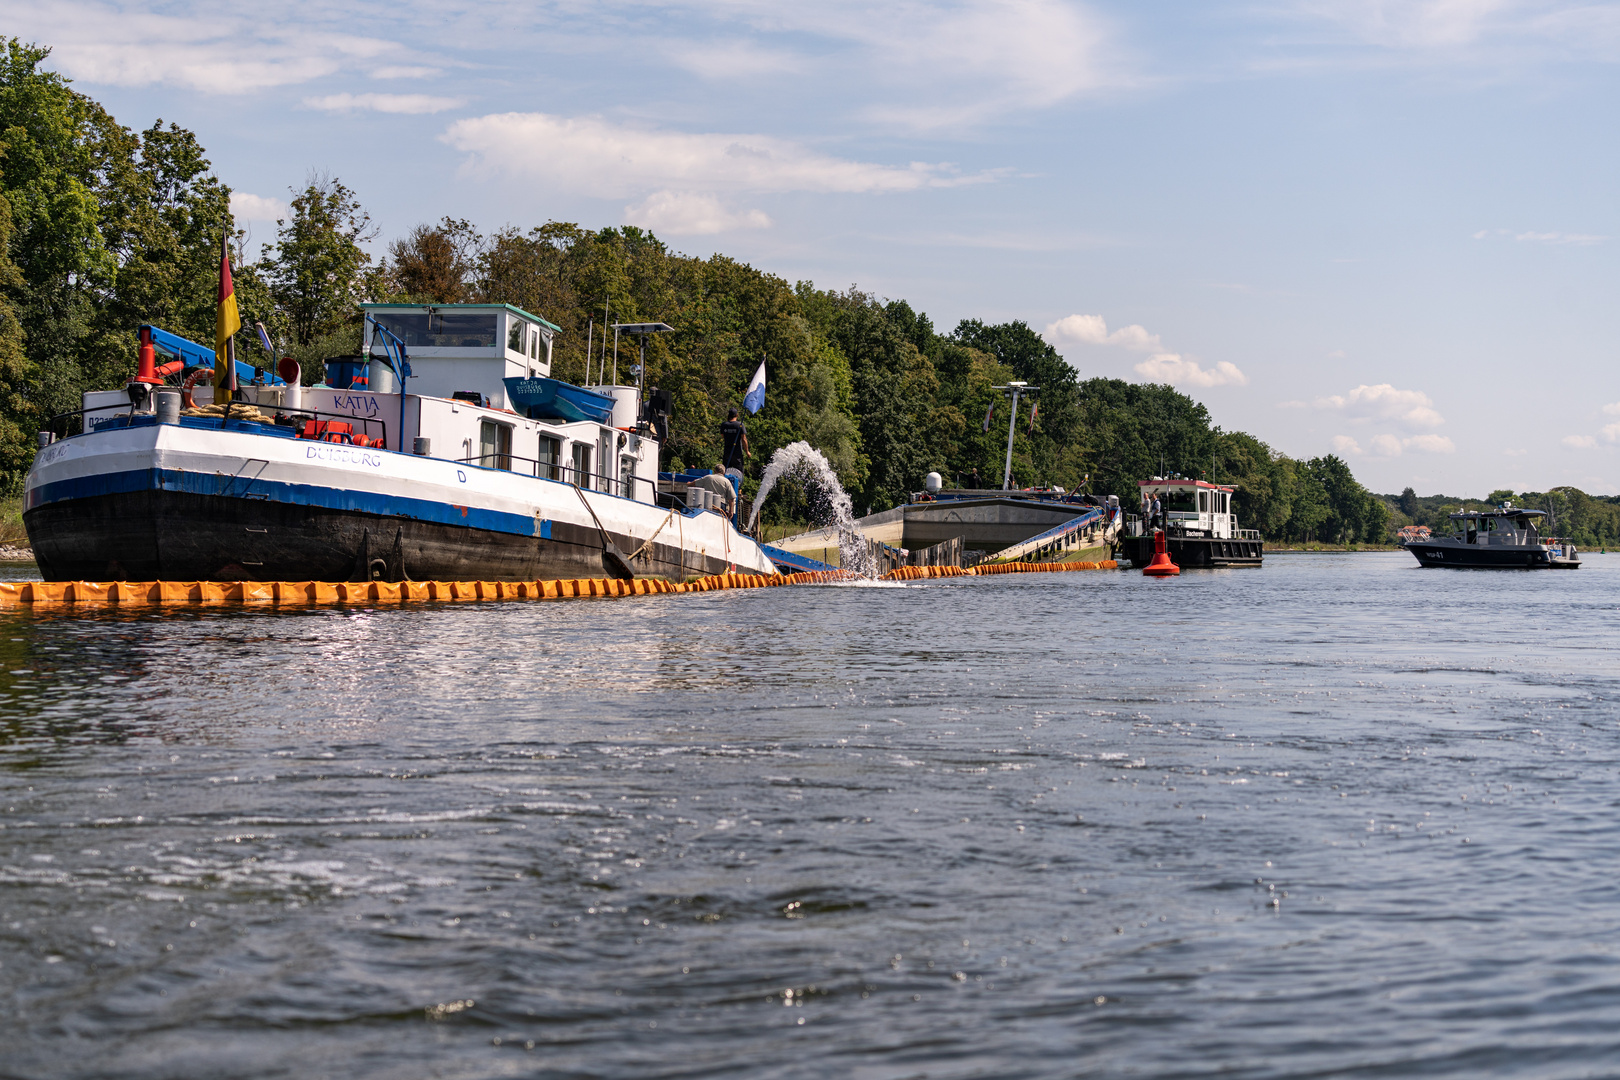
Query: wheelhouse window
[(549, 457), (1203, 502), (494, 445), (517, 335), (1178, 502), (435, 330)]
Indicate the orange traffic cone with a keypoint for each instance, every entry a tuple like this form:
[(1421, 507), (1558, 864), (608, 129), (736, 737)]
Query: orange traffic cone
[(1161, 566)]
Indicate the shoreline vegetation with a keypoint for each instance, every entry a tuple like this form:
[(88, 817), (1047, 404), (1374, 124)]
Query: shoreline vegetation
[(103, 228)]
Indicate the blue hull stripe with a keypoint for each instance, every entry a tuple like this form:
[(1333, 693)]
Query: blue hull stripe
[(326, 498)]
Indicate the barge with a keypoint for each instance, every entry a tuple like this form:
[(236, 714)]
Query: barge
[(409, 462)]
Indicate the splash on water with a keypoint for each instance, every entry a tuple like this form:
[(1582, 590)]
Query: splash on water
[(830, 503)]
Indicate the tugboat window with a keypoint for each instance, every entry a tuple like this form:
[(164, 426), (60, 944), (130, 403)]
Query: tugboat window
[(494, 445), (514, 339), (457, 330), (1179, 502), (582, 464)]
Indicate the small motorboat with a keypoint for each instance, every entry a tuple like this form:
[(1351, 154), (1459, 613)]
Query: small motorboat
[(1507, 538), (541, 398)]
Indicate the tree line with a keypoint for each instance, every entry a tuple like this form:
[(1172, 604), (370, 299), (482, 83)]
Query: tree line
[(103, 228)]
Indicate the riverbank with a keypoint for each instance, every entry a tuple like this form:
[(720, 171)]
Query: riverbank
[(1330, 549)]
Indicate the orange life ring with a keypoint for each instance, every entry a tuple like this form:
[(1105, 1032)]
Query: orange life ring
[(186, 387)]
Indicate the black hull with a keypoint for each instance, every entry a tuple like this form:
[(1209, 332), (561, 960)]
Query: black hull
[(178, 536), (1192, 552), (1488, 557)]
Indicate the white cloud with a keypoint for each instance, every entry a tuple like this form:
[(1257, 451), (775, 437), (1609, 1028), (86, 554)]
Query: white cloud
[(732, 58), (1093, 330), (1579, 442), (1491, 30), (1429, 444), (1162, 366), (1533, 237), (216, 49), (676, 214), (403, 71), (593, 156), (1612, 409), (1183, 371), (1411, 408), (1576, 239), (1611, 432), (248, 207), (1386, 445), (410, 104)]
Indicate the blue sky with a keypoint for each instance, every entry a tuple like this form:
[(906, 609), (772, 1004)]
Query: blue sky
[(1386, 230)]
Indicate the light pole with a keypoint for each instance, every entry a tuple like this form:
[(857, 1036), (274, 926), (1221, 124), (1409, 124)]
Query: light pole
[(1015, 390), (641, 330)]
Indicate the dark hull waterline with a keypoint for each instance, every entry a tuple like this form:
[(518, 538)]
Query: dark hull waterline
[(1193, 552), (170, 535), (1489, 557)]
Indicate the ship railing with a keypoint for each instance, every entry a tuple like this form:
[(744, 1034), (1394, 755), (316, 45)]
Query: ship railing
[(66, 425), (624, 486), (1246, 534)]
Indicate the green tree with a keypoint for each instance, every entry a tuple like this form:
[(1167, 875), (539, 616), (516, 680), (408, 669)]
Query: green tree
[(1264, 479), (433, 263), (316, 270), (1133, 431)]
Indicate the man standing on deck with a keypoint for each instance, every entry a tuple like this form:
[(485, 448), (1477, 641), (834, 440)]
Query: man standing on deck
[(735, 436)]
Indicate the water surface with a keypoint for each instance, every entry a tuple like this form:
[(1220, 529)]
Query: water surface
[(1338, 816)]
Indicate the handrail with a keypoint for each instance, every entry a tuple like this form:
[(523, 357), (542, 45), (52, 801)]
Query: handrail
[(566, 474), (129, 412)]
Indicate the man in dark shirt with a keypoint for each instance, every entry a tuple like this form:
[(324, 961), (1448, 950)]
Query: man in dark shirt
[(735, 436)]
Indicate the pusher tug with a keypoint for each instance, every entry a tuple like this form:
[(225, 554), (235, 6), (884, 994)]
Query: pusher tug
[(411, 462)]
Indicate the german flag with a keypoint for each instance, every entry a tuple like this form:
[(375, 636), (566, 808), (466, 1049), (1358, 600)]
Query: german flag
[(226, 323)]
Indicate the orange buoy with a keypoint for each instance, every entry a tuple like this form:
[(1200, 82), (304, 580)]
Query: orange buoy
[(1161, 566)]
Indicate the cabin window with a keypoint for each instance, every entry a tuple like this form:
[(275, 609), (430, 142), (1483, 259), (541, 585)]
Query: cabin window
[(605, 456), (627, 476), (549, 457), (514, 337), (436, 330), (545, 348), (1203, 502), (1178, 502), (494, 445), (582, 464)]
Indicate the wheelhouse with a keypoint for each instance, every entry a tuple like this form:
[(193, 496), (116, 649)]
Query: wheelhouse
[(1193, 507)]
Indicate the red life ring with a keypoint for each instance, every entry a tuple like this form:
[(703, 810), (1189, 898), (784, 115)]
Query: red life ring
[(191, 381)]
